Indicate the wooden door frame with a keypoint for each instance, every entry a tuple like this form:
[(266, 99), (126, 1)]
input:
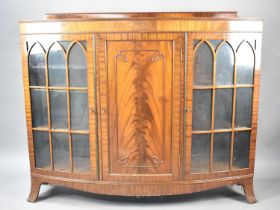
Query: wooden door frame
[(256, 37), (25, 41)]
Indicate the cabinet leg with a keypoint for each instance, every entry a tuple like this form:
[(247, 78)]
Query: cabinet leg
[(249, 191), (34, 191)]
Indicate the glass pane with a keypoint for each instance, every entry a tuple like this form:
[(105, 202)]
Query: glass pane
[(215, 43), (36, 65), (224, 65), (77, 67), (58, 101), (221, 153), (84, 43), (81, 158), (42, 149), (200, 152), (241, 149), (56, 66), (243, 112), (65, 44), (223, 108), (195, 42), (61, 159), (245, 64), (39, 108), (203, 64), (79, 110), (202, 103)]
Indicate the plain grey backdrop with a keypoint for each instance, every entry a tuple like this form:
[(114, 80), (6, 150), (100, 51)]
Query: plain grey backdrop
[(14, 165)]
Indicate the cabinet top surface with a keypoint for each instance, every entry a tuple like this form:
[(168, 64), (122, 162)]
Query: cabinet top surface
[(141, 15), (213, 15), (227, 21)]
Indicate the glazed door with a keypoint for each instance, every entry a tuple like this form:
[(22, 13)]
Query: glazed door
[(58, 81), (221, 104), (139, 105)]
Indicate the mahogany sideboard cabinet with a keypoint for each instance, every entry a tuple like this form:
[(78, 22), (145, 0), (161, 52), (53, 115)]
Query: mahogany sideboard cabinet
[(141, 104)]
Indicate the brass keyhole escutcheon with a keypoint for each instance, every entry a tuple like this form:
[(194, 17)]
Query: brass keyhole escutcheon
[(188, 109), (92, 111)]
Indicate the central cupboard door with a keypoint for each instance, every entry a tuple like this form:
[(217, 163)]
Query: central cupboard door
[(139, 75)]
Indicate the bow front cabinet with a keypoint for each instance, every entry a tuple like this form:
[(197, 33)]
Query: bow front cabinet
[(141, 104)]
